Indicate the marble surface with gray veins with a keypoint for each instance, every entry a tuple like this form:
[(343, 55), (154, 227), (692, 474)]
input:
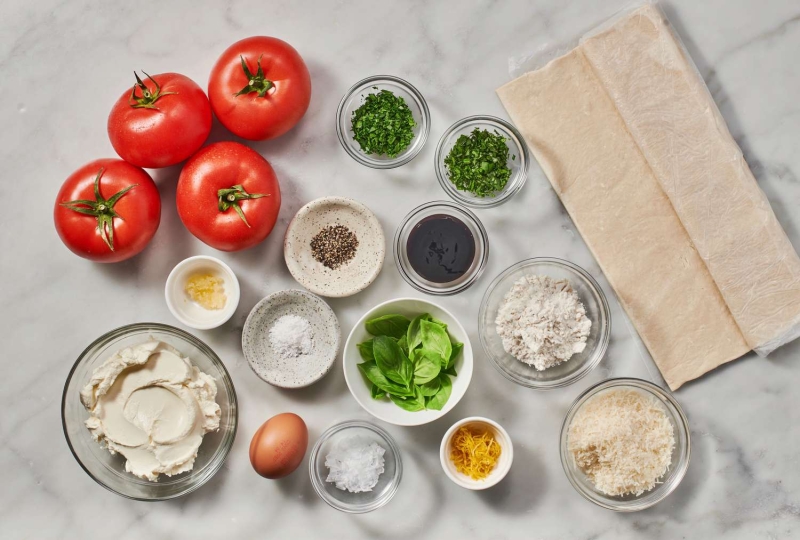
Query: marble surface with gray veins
[(62, 65)]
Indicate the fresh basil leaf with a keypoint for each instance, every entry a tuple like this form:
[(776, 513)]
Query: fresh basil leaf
[(438, 401), (392, 361), (430, 388), (457, 348), (388, 325), (434, 320), (412, 404), (365, 350), (427, 365), (451, 371), (376, 392), (403, 343), (373, 374), (413, 336), (435, 338)]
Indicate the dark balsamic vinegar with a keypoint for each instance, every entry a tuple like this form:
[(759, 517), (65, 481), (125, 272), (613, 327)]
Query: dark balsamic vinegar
[(441, 248)]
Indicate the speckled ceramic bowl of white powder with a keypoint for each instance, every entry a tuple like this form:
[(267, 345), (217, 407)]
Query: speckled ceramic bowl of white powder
[(291, 338), (580, 363)]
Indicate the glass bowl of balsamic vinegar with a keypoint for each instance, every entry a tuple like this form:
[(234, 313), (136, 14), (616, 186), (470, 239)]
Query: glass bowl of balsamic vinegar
[(441, 248)]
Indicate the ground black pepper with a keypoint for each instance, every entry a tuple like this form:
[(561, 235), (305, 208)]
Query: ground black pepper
[(334, 246)]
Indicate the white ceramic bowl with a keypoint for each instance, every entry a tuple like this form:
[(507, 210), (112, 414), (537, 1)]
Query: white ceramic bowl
[(500, 469), (384, 409), (353, 276), (306, 369), (190, 313)]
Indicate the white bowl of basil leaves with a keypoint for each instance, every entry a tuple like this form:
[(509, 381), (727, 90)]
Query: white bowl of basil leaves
[(408, 361)]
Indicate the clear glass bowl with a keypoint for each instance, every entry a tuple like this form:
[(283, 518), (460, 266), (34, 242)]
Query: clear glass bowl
[(518, 165), (401, 244), (580, 364), (109, 471), (354, 98), (367, 501), (666, 484)]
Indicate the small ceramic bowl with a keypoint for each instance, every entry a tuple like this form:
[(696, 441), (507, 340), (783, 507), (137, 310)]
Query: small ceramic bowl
[(305, 369), (354, 98), (518, 160), (500, 469), (191, 313), (384, 409), (349, 278), (343, 500)]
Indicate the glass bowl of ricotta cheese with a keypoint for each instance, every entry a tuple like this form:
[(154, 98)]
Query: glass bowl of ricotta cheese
[(149, 412)]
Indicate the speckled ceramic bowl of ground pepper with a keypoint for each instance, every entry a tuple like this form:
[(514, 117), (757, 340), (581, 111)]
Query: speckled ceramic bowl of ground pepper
[(304, 369), (353, 274)]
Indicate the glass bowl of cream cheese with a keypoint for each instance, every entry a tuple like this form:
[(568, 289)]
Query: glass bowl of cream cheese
[(149, 412)]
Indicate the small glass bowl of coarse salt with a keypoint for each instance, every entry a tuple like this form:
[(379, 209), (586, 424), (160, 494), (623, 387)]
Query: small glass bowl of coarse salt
[(355, 467), (544, 323)]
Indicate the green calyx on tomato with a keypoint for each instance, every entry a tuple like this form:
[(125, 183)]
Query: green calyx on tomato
[(100, 208), (148, 98), (255, 83), (230, 197)]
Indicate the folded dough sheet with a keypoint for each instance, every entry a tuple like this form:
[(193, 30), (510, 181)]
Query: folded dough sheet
[(631, 140)]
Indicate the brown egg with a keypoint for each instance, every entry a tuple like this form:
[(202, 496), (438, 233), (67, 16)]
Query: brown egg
[(279, 445)]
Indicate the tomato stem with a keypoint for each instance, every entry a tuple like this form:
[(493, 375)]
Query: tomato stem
[(148, 98), (101, 209), (255, 83), (230, 197)]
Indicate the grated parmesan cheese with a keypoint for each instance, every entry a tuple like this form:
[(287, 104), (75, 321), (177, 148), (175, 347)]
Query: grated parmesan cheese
[(622, 440)]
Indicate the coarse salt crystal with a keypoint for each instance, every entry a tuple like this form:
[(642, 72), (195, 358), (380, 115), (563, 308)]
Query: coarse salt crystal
[(355, 464)]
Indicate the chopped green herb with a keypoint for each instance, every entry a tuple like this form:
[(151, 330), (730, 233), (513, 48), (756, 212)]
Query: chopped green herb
[(383, 124), (477, 163)]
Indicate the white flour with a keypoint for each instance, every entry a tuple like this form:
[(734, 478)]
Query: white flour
[(542, 321)]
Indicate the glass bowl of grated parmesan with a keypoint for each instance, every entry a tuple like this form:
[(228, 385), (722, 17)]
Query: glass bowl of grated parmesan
[(544, 323), (625, 444)]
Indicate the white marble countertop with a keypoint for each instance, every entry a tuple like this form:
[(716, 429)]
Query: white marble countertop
[(62, 65)]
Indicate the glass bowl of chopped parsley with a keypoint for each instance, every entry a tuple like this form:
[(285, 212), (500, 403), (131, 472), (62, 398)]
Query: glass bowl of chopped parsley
[(383, 122), (482, 161)]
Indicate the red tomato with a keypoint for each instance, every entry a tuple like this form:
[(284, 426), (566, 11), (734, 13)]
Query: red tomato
[(228, 196), (107, 211), (259, 88), (160, 122)]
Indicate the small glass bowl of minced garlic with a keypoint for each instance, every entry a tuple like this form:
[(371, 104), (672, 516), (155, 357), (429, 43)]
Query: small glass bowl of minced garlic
[(202, 292)]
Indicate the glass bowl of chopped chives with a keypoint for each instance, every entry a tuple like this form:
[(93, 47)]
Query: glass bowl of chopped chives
[(482, 161), (355, 467), (383, 122), (625, 444)]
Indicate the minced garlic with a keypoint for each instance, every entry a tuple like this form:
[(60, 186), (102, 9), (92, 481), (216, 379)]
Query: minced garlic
[(207, 290)]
